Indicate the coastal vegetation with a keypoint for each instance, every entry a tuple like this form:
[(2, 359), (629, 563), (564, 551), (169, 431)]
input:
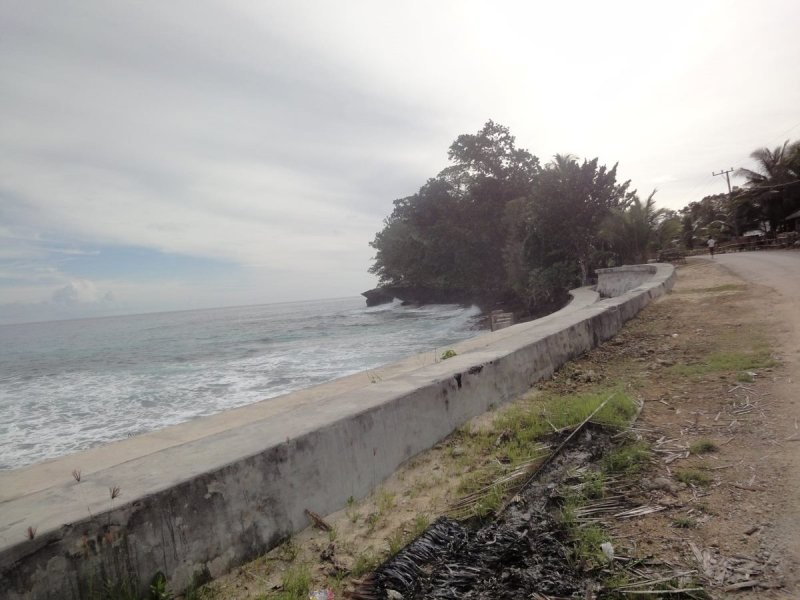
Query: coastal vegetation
[(498, 227), (771, 193)]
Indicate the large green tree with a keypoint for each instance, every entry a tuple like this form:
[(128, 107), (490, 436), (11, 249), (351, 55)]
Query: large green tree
[(497, 226), (555, 232), (450, 234), (568, 204)]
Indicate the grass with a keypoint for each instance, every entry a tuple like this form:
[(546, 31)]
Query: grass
[(333, 533), (718, 362), (365, 563), (627, 459), (693, 477), (158, 588), (120, 590), (288, 551), (372, 521), (586, 544), (504, 453), (403, 535), (295, 583), (703, 446), (397, 541), (559, 412), (385, 501), (586, 538), (684, 523), (448, 354), (594, 485), (352, 509), (421, 523)]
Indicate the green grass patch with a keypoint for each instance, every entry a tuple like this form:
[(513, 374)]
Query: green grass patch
[(514, 442), (397, 541), (703, 447), (421, 523), (384, 501), (594, 485), (693, 477), (627, 459), (718, 362), (531, 423), (365, 563), (684, 523), (587, 541), (295, 583)]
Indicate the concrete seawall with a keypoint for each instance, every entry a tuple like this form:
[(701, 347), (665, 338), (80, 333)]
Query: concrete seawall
[(618, 280), (202, 497)]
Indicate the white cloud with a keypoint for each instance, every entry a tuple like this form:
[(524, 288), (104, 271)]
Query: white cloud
[(76, 292), (275, 135)]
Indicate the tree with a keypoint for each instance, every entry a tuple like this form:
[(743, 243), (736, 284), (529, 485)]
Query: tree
[(569, 203), (454, 223), (773, 189), (780, 165), (496, 226), (632, 228)]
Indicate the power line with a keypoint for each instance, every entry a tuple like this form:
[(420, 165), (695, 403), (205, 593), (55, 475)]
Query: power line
[(727, 177)]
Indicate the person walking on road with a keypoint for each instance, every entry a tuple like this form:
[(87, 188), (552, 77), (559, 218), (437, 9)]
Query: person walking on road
[(711, 243)]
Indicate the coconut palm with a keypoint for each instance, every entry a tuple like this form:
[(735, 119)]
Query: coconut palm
[(780, 165), (774, 188), (631, 229)]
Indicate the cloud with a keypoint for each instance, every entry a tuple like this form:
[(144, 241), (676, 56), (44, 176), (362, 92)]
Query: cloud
[(272, 137), (76, 292)]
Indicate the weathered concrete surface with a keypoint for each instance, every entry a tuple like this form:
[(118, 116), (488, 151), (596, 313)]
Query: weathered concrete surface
[(201, 497), (618, 280)]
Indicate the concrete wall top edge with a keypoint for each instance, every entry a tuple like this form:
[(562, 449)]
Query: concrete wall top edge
[(188, 458), (649, 268)]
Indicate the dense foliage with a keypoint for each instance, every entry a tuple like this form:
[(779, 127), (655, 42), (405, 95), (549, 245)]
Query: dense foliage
[(497, 226), (770, 194)]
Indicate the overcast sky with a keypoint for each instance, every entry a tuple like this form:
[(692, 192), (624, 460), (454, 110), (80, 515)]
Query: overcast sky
[(176, 155)]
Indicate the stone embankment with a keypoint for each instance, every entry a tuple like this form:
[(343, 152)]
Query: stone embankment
[(194, 500)]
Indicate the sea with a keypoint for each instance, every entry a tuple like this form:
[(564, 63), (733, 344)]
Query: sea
[(70, 385)]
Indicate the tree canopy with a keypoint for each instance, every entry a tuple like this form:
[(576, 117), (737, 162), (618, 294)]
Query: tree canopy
[(497, 226), (770, 194)]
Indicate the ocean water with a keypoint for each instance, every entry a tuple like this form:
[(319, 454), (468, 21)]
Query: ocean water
[(71, 385)]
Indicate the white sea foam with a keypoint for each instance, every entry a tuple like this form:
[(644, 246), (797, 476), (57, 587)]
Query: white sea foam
[(71, 385)]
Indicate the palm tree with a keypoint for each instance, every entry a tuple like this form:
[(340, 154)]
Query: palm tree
[(774, 188), (780, 165), (631, 229)]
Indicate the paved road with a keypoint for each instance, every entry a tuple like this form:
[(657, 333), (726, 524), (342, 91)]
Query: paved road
[(778, 269)]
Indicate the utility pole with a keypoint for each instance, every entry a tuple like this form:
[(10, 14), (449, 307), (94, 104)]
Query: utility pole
[(728, 177), (730, 199)]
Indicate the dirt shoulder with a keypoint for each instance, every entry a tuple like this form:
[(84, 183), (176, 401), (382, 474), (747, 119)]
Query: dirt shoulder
[(711, 368)]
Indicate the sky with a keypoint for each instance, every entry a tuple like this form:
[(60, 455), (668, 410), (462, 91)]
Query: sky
[(189, 154)]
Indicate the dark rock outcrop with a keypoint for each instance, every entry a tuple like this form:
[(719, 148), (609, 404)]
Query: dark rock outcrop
[(378, 296), (416, 295)]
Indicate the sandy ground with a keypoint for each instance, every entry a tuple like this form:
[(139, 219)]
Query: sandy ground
[(739, 531)]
